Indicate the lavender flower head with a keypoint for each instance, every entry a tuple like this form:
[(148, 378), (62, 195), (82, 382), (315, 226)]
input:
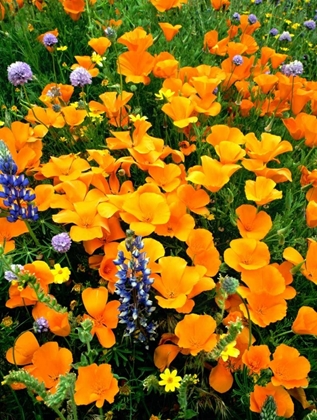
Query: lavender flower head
[(258, 2), (295, 68), (49, 40), (310, 24), (237, 60), (273, 32), (40, 325), (61, 242), (19, 73), (236, 16), (80, 77), (12, 274), (285, 36), (252, 18)]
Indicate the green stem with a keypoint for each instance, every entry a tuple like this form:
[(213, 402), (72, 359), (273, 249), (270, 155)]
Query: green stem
[(59, 413), (32, 234), (249, 319)]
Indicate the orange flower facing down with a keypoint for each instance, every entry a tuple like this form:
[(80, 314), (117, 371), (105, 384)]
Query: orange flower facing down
[(163, 5), (103, 315), (136, 40), (100, 45), (289, 368), (247, 254), (181, 111), (74, 8), (95, 384), (256, 358), (262, 190), (196, 333), (169, 30), (305, 321), (57, 322), (283, 401), (9, 230), (220, 378), (251, 223)]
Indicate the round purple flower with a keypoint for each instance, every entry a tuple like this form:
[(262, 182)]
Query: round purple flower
[(237, 60), (295, 68), (49, 40), (310, 24), (252, 18), (40, 325), (258, 2), (12, 274), (80, 77), (285, 36), (61, 242), (236, 16), (273, 32), (19, 73)]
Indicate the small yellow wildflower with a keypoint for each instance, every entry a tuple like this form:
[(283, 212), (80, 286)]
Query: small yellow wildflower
[(61, 275), (137, 117), (62, 48), (96, 58), (74, 104), (229, 351), (30, 27), (287, 21), (1, 123), (295, 25), (284, 49), (164, 94), (14, 108), (105, 82), (170, 380), (268, 15)]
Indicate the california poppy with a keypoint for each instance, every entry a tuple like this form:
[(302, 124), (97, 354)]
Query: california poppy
[(169, 30), (247, 254), (289, 368), (95, 384), (251, 223), (103, 315), (282, 399), (305, 321), (256, 358), (262, 190)]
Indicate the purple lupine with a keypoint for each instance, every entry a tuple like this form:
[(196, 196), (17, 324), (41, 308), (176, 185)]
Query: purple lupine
[(49, 40), (16, 196), (252, 19), (61, 242), (19, 73), (295, 68), (40, 325), (274, 32), (237, 60), (285, 36), (133, 287), (236, 16), (310, 24), (80, 77), (12, 274)]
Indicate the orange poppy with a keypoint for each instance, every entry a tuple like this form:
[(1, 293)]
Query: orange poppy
[(61, 94), (49, 362), (136, 66), (195, 200), (181, 111), (212, 174), (175, 282), (196, 333), (9, 230), (247, 254), (57, 321), (100, 45), (256, 358), (163, 5), (95, 384), (311, 214), (64, 168), (165, 66), (251, 223), (229, 153), (220, 377), (220, 4), (114, 105), (202, 251), (103, 315), (169, 30), (23, 349), (305, 321), (74, 8), (262, 190), (283, 401), (289, 368), (308, 267), (87, 63), (221, 133), (46, 117), (211, 41), (136, 40), (268, 148)]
